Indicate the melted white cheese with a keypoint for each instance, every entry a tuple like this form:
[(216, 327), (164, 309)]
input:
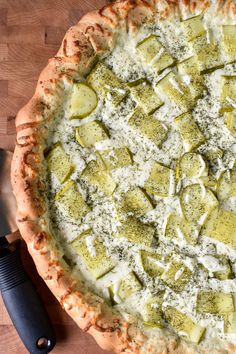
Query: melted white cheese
[(127, 66)]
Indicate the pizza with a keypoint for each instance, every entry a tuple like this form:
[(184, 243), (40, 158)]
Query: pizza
[(125, 177)]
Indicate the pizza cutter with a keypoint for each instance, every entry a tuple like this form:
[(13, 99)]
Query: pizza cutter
[(19, 295)]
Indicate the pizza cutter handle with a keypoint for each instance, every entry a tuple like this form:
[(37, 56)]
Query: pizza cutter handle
[(24, 305)]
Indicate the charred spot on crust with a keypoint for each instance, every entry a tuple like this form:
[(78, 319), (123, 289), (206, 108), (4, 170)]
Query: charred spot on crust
[(65, 295), (65, 47), (81, 46), (77, 43), (87, 327), (24, 219), (24, 126), (43, 106), (39, 238), (27, 140), (89, 28), (30, 157), (60, 274), (27, 185), (53, 264), (99, 328)]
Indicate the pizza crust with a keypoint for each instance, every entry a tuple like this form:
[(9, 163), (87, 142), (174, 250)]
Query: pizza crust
[(94, 34)]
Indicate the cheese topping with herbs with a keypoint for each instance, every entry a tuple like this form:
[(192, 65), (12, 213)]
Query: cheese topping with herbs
[(143, 177)]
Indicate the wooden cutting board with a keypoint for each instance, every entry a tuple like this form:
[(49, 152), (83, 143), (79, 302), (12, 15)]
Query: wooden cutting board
[(31, 31)]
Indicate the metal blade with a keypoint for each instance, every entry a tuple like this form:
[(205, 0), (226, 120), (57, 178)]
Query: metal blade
[(7, 199)]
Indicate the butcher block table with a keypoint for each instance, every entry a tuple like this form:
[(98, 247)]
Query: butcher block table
[(31, 32)]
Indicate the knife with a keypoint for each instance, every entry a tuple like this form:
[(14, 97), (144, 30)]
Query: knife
[(20, 297)]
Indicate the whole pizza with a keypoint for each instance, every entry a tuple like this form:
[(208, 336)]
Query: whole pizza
[(125, 176)]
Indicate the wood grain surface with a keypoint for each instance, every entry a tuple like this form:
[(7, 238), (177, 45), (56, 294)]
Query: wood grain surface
[(31, 32)]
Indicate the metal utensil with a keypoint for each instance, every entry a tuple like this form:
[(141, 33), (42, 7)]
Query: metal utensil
[(19, 295)]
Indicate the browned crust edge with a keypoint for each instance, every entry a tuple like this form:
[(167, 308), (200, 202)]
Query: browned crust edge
[(95, 33)]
